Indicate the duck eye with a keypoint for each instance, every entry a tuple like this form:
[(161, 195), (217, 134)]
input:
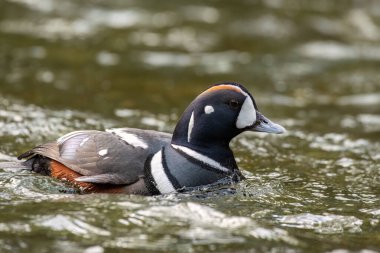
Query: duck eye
[(233, 103)]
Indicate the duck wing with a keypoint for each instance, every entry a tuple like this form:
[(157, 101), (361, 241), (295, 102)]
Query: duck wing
[(116, 156)]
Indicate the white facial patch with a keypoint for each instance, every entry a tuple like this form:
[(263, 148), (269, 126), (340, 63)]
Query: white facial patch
[(163, 183), (129, 138), (190, 127), (209, 109), (247, 114)]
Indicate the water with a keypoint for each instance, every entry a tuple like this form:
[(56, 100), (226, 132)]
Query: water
[(311, 65)]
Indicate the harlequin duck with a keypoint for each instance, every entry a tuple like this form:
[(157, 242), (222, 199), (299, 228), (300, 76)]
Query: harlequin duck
[(134, 161)]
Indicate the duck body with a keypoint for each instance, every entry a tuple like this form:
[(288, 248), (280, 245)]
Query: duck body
[(146, 162), (99, 161)]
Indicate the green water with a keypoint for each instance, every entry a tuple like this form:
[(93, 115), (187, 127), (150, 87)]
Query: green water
[(313, 66)]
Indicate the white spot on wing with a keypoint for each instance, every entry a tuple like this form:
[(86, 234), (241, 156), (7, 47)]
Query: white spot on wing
[(212, 163), (247, 114), (84, 141), (163, 183), (190, 127), (103, 152), (209, 109), (129, 138)]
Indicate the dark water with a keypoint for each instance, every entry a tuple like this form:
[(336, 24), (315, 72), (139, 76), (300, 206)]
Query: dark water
[(313, 66)]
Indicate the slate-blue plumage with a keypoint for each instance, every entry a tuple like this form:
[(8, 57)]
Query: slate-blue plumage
[(136, 161)]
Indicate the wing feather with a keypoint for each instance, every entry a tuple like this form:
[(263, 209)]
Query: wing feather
[(104, 157)]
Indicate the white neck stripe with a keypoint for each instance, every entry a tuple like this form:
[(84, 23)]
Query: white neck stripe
[(202, 158), (163, 183), (190, 127)]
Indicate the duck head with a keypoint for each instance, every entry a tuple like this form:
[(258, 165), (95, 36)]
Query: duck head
[(219, 114)]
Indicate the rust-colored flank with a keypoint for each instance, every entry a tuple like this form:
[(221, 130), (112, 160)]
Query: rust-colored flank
[(60, 171)]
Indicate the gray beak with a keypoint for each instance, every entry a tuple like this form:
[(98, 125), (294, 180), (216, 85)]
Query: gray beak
[(263, 124)]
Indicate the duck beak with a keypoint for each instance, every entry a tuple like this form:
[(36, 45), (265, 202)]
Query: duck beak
[(263, 124)]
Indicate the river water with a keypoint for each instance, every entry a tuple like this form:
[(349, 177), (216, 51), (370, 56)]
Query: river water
[(313, 66)]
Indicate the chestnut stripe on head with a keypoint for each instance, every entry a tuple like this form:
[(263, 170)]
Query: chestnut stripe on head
[(224, 87)]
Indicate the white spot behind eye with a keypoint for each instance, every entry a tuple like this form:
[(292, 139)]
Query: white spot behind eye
[(209, 109), (190, 127), (247, 114), (103, 152)]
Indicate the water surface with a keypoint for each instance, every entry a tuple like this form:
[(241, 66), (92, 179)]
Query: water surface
[(313, 66)]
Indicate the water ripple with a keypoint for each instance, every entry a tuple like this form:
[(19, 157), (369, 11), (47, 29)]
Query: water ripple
[(205, 224), (69, 224), (324, 224)]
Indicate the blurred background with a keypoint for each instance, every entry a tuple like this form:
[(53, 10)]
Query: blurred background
[(312, 66)]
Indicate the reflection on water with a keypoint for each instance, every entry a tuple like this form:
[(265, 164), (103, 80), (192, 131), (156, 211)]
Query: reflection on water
[(311, 65)]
